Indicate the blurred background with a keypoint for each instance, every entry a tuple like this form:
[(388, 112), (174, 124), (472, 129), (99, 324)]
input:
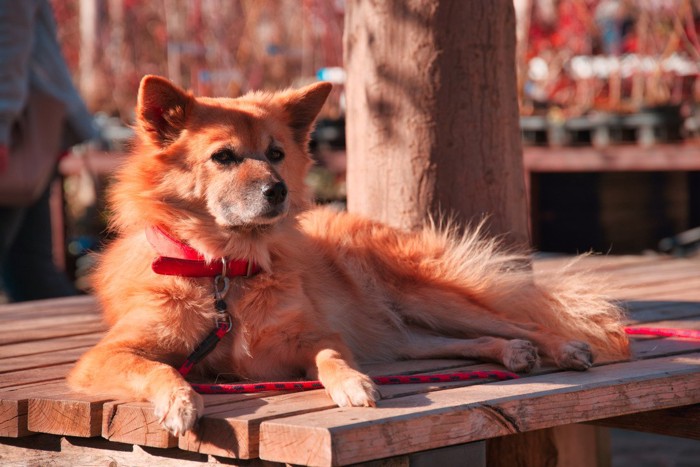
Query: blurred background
[(609, 99)]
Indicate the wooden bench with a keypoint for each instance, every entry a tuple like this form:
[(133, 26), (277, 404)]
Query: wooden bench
[(42, 422)]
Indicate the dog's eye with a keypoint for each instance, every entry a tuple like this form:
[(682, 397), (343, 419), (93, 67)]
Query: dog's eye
[(225, 156), (275, 154)]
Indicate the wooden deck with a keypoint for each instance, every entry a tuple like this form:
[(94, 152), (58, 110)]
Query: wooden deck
[(41, 421)]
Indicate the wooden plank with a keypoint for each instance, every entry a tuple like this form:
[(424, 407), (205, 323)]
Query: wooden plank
[(649, 278), (91, 326), (620, 270), (55, 307), (41, 323), (653, 279), (13, 416), (678, 421), (661, 274), (14, 408), (342, 436), (235, 432), (648, 348), (596, 262), (37, 375), (681, 290), (134, 423), (66, 413), (42, 360), (48, 345), (688, 295)]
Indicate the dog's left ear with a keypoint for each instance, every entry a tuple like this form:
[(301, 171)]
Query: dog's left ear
[(302, 106)]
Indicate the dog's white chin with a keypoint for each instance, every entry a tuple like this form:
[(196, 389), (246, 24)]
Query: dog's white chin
[(235, 220), (259, 223)]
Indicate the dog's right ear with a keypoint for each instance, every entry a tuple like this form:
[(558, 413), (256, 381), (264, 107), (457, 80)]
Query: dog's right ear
[(162, 110)]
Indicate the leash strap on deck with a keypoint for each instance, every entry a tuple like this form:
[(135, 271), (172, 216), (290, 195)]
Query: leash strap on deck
[(205, 347), (663, 332), (380, 380)]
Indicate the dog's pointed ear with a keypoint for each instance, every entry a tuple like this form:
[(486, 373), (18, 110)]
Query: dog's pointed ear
[(162, 110), (302, 107)]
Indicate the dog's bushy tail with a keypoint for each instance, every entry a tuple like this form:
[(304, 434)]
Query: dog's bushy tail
[(570, 302)]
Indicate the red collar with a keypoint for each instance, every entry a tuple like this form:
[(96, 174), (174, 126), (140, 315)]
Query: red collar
[(177, 258)]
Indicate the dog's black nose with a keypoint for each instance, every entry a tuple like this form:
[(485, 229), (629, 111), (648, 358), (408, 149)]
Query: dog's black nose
[(276, 193)]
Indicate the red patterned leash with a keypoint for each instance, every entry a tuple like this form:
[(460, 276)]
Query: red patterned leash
[(380, 380), (664, 332)]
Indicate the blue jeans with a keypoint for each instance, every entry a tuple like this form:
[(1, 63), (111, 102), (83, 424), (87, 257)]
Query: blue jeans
[(26, 257)]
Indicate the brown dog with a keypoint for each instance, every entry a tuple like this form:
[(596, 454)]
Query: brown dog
[(214, 181)]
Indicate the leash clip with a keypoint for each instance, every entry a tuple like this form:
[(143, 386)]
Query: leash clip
[(225, 320), (221, 284)]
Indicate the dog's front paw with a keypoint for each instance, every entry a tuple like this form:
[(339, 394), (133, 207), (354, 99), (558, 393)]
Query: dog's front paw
[(179, 410), (575, 355), (353, 389), (520, 355)]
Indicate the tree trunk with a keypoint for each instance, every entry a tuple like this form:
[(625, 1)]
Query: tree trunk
[(432, 114)]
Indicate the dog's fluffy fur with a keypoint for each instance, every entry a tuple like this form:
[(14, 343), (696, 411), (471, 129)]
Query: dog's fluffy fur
[(335, 289)]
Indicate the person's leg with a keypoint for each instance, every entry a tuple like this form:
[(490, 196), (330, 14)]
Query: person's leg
[(29, 272), (10, 221)]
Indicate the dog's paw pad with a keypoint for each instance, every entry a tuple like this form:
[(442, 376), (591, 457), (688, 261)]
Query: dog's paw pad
[(179, 411), (575, 355), (356, 390), (520, 355)]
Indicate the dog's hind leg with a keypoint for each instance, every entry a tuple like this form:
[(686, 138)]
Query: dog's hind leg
[(515, 354), (459, 318), (565, 353)]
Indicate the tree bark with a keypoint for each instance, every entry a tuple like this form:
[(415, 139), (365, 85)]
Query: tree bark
[(432, 114)]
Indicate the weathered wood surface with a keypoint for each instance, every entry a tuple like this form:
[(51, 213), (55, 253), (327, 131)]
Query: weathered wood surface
[(40, 341), (426, 421)]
